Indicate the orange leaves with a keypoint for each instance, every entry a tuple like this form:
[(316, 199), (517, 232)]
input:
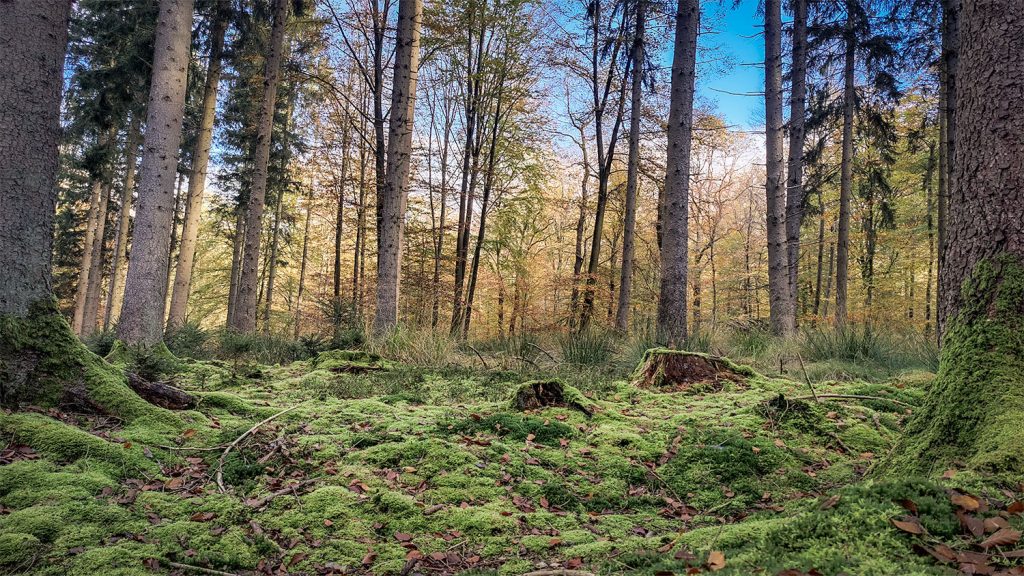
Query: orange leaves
[(909, 524)]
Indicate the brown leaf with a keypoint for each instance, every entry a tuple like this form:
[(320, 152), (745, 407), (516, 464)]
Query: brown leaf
[(203, 516), (369, 558), (716, 560), (971, 524), (995, 523), (298, 557), (1016, 508), (403, 537), (1004, 537), (830, 502), (911, 525), (910, 505), (965, 501)]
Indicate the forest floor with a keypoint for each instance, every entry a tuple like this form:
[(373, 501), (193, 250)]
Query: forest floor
[(349, 464)]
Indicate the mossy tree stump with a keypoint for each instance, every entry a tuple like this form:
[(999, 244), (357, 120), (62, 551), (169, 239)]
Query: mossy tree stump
[(678, 370), (539, 394)]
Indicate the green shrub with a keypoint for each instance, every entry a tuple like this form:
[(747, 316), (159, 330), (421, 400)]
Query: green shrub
[(587, 348), (100, 342), (188, 341)]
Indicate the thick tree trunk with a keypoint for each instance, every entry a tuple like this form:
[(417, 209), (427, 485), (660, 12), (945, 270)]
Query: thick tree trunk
[(947, 133), (674, 252), (33, 38), (243, 318), (632, 170), (846, 176), (396, 190), (114, 295), (197, 177), (973, 410), (795, 171), (781, 309), (142, 314)]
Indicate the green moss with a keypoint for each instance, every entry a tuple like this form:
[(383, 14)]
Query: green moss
[(512, 426), (17, 548), (973, 411), (150, 362), (231, 403), (729, 364), (43, 362), (64, 443), (348, 361)]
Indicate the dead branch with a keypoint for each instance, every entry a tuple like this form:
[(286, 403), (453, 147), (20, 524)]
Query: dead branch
[(224, 454)]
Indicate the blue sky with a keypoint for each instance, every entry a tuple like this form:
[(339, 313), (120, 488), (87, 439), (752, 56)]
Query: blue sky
[(736, 36)]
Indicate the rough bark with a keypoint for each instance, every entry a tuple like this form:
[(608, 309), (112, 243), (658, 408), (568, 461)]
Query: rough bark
[(973, 410), (302, 267), (632, 170), (948, 80), (396, 189), (93, 292), (85, 264), (846, 175), (674, 252), (114, 295), (161, 393), (33, 38), (243, 317), (929, 218), (142, 314), (197, 176), (781, 309), (339, 219), (795, 170)]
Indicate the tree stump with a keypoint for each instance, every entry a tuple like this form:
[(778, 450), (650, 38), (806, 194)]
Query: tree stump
[(677, 371), (542, 393)]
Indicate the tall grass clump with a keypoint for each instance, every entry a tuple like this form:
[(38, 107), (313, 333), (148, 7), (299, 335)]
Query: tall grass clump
[(587, 348), (420, 347), (852, 343), (240, 348)]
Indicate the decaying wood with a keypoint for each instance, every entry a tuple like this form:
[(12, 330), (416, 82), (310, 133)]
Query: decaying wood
[(677, 371), (161, 394), (539, 394)]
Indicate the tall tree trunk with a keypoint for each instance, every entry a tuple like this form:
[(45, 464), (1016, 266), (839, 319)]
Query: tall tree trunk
[(275, 239), (93, 293), (632, 170), (821, 254), (142, 314), (948, 74), (85, 265), (33, 38), (302, 266), (244, 315), (339, 219), (396, 190), (176, 217), (846, 173), (197, 176), (674, 251), (973, 409), (581, 223), (930, 207), (781, 309), (439, 235), (114, 296), (237, 240), (828, 282), (359, 262), (795, 170)]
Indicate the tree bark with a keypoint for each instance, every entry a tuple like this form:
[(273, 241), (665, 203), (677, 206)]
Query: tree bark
[(795, 170), (973, 409), (846, 174), (95, 286), (302, 266), (33, 39), (142, 314), (674, 252), (339, 220), (930, 207), (114, 296), (632, 170), (781, 309), (947, 149), (197, 177), (396, 189), (85, 265), (243, 318)]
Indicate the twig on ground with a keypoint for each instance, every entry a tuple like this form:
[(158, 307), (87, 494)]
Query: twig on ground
[(192, 448), (290, 489), (479, 355), (200, 569), (855, 397), (806, 377), (559, 572), (224, 454)]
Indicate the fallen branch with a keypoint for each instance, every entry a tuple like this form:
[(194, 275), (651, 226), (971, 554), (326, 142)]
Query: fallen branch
[(290, 489), (161, 394), (479, 355), (545, 352), (854, 397), (807, 378), (224, 454), (559, 572), (200, 569)]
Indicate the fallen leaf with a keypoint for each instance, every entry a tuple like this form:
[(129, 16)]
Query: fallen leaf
[(1016, 508), (1004, 537), (965, 501), (716, 560), (403, 537), (203, 516), (973, 525), (911, 525)]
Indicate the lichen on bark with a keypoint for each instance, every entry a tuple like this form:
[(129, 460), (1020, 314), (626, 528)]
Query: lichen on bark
[(973, 415)]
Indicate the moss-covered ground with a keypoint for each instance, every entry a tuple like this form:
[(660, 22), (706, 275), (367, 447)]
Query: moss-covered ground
[(381, 468)]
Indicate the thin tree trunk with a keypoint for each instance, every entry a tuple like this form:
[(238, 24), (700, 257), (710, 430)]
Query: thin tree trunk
[(244, 316), (339, 219), (821, 255), (236, 261), (114, 296), (930, 207), (828, 283), (33, 42), (632, 169), (947, 149), (795, 170), (781, 309), (396, 190), (91, 224), (581, 222), (674, 252), (302, 266), (95, 287), (176, 216), (142, 314), (197, 176), (846, 177), (268, 300)]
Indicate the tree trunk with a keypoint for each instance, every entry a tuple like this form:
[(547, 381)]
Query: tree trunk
[(275, 240), (821, 254), (142, 314), (632, 169), (930, 206), (33, 38), (339, 219), (846, 175), (236, 260), (781, 310), (85, 265), (581, 222), (197, 176), (243, 318), (674, 252), (947, 149), (972, 412), (93, 293), (114, 296), (795, 171), (396, 189)]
